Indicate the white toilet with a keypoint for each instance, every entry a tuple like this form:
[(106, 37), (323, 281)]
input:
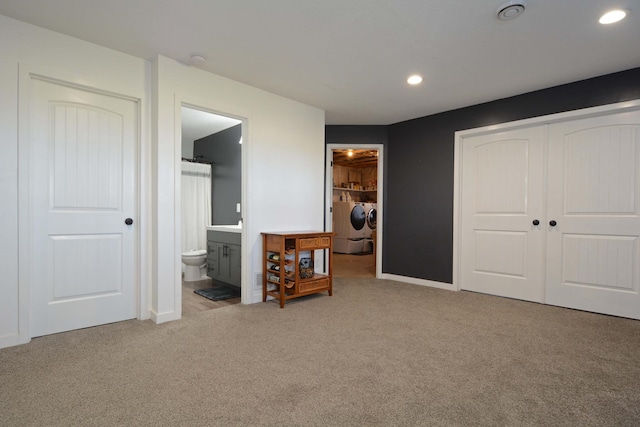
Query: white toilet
[(195, 261)]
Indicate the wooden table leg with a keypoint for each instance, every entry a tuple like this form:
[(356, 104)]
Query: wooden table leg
[(281, 294)]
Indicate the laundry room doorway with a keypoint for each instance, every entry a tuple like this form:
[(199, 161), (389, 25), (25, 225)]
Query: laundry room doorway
[(354, 208)]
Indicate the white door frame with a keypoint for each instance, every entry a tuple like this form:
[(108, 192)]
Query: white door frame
[(458, 161), (328, 225), (26, 73), (212, 107)]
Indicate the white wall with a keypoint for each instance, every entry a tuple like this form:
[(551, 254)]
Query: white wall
[(30, 47), (283, 162), (187, 148), (283, 169)]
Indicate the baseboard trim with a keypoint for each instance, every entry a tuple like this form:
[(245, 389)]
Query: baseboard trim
[(257, 296), (13, 340), (168, 316), (421, 282)]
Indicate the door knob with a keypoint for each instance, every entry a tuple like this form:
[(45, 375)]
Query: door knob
[(536, 222), (553, 223), (128, 221)]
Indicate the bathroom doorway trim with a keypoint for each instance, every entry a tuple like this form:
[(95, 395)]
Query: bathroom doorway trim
[(213, 107)]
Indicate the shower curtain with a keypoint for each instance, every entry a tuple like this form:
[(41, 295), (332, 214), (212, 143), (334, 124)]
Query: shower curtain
[(196, 205)]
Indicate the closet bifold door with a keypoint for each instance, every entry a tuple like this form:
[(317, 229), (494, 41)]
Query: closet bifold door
[(593, 221), (502, 221)]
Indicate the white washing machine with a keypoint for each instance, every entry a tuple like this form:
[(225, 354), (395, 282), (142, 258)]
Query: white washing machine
[(350, 227), (350, 220)]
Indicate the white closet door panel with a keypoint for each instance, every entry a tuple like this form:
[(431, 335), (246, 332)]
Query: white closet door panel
[(85, 266), (501, 253), (87, 150), (502, 194), (599, 261), (594, 196)]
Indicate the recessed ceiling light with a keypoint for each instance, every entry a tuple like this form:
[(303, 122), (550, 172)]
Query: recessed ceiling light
[(414, 80), (612, 16), (510, 9)]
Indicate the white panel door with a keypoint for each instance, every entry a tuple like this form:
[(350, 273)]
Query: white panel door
[(82, 149), (593, 250), (502, 197)]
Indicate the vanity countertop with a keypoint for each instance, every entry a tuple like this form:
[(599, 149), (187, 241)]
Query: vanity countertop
[(235, 228)]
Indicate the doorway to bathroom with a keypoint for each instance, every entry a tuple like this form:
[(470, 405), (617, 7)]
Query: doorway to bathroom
[(211, 190)]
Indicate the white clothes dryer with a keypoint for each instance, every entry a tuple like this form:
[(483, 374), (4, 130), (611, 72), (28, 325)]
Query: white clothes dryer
[(371, 216)]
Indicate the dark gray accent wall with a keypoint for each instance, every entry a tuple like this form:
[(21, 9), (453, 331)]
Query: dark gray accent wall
[(419, 159), (223, 150), (354, 134)]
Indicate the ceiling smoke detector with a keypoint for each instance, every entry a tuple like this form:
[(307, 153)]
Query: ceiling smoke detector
[(510, 9), (197, 60)]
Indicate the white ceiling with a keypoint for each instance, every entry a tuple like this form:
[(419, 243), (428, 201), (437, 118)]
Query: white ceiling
[(352, 57), (197, 124)]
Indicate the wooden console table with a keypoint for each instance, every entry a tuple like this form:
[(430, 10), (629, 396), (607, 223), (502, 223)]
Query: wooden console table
[(282, 252)]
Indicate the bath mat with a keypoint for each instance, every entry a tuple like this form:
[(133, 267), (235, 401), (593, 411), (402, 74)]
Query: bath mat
[(219, 292)]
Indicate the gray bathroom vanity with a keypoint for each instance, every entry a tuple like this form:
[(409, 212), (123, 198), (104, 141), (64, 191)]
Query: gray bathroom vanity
[(223, 254)]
